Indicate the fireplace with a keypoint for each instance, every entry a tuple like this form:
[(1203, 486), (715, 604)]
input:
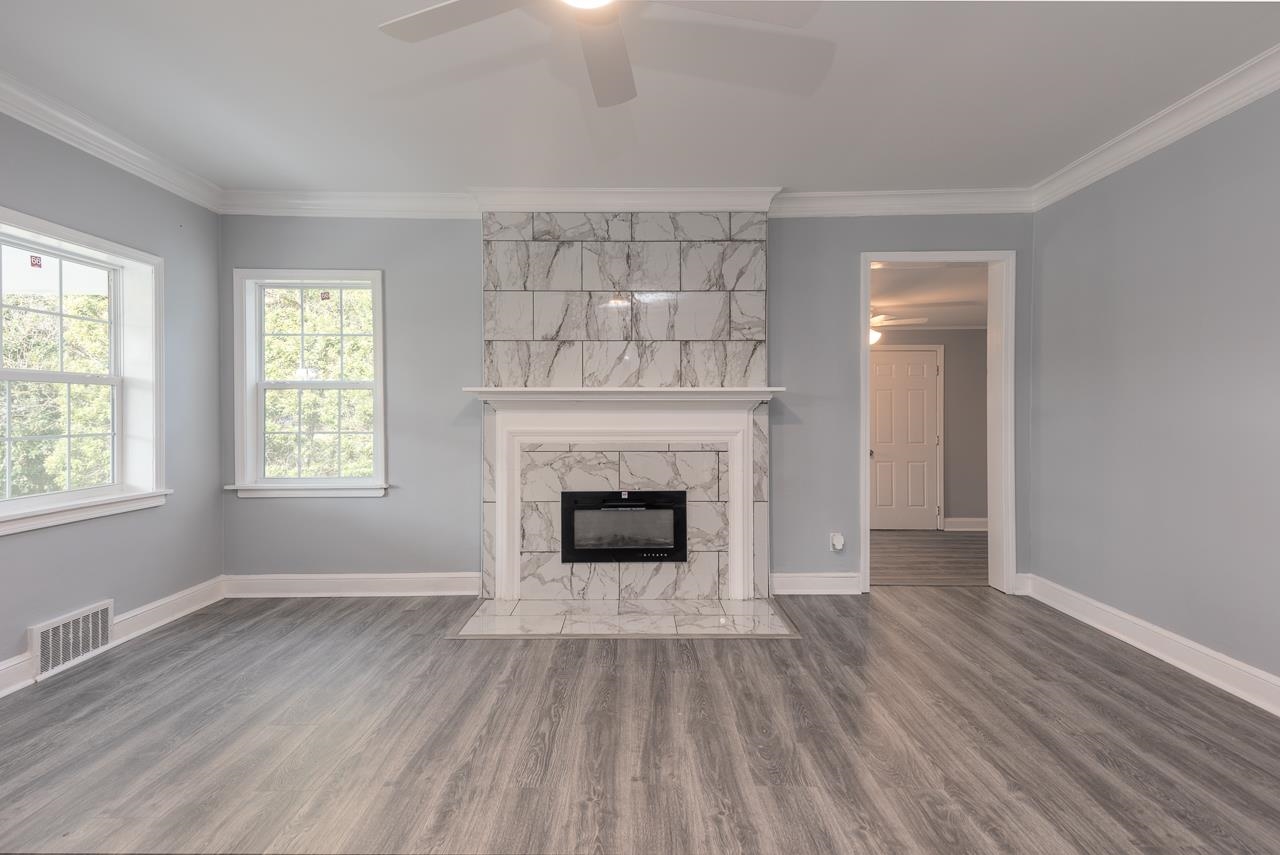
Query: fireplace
[(630, 525), (524, 522)]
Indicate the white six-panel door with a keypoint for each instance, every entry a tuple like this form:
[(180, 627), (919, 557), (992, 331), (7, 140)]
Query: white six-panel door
[(904, 439)]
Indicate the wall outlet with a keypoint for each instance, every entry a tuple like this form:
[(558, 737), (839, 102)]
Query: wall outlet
[(837, 542)]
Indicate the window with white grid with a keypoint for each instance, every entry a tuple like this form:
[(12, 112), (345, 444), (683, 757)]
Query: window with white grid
[(80, 376), (57, 380), (310, 402)]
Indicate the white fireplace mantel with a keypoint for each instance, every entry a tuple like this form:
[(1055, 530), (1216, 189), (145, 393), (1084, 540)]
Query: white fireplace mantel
[(678, 414), (522, 397)]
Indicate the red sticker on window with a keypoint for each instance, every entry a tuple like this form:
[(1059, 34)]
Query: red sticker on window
[(37, 261), (324, 295)]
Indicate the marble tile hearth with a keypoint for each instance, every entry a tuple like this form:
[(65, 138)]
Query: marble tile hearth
[(626, 619)]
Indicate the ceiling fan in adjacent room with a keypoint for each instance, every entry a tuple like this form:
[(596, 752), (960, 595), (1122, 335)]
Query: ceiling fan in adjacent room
[(599, 25), (883, 320)]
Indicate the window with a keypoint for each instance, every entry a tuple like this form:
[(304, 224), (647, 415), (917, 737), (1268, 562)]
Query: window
[(309, 395), (59, 386), (73, 384)]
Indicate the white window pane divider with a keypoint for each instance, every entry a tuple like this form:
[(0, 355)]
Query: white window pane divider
[(317, 384), (52, 314), (24, 375)]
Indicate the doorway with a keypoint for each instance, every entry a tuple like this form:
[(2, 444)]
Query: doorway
[(936, 462)]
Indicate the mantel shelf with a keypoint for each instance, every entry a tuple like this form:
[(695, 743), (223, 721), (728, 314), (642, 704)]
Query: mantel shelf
[(685, 395)]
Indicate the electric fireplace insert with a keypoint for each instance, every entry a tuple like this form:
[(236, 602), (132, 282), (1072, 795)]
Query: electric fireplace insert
[(631, 525)]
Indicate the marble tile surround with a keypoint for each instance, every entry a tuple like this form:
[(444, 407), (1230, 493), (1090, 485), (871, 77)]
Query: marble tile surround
[(697, 467), (624, 299), (546, 472)]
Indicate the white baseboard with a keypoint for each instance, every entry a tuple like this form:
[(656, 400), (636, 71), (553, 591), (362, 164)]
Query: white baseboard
[(1246, 682), (352, 585), (16, 673), (1231, 675), (20, 671), (964, 524), (146, 618), (789, 584)]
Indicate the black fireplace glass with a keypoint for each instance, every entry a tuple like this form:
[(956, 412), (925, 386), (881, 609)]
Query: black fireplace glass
[(641, 528), (630, 525)]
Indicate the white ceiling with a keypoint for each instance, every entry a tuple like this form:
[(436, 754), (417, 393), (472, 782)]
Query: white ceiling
[(308, 95), (949, 294)]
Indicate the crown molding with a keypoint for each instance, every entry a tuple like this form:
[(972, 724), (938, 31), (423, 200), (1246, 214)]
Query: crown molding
[(901, 203), (66, 123), (1237, 88), (283, 203), (593, 199), (469, 205)]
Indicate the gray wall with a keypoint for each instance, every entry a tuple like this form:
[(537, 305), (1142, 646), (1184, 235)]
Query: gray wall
[(813, 311), (139, 556), (964, 417), (1153, 482), (430, 519)]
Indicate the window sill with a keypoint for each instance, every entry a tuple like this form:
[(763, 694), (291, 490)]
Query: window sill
[(308, 491), (82, 509)]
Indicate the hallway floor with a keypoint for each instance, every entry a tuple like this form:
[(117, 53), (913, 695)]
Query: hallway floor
[(938, 558)]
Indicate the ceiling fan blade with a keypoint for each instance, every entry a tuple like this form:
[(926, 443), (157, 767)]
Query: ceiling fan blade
[(782, 13), (446, 17), (897, 322), (605, 50)]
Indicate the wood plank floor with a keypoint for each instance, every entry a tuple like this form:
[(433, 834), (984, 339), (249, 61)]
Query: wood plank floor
[(928, 557), (932, 720)]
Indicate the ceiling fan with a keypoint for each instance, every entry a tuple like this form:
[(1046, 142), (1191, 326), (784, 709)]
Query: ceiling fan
[(883, 320), (599, 25)]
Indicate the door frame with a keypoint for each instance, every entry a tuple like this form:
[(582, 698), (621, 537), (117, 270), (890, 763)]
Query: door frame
[(941, 459), (1001, 507)]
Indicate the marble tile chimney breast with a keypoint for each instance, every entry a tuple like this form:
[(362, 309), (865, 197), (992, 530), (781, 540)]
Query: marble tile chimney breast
[(614, 301)]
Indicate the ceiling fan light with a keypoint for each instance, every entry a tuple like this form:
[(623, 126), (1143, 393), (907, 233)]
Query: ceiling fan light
[(875, 336), (586, 4)]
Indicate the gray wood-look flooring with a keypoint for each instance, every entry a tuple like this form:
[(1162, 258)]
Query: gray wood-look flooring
[(928, 557), (911, 720)]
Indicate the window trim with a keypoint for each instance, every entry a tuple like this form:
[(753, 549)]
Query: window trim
[(246, 338), (137, 373)]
